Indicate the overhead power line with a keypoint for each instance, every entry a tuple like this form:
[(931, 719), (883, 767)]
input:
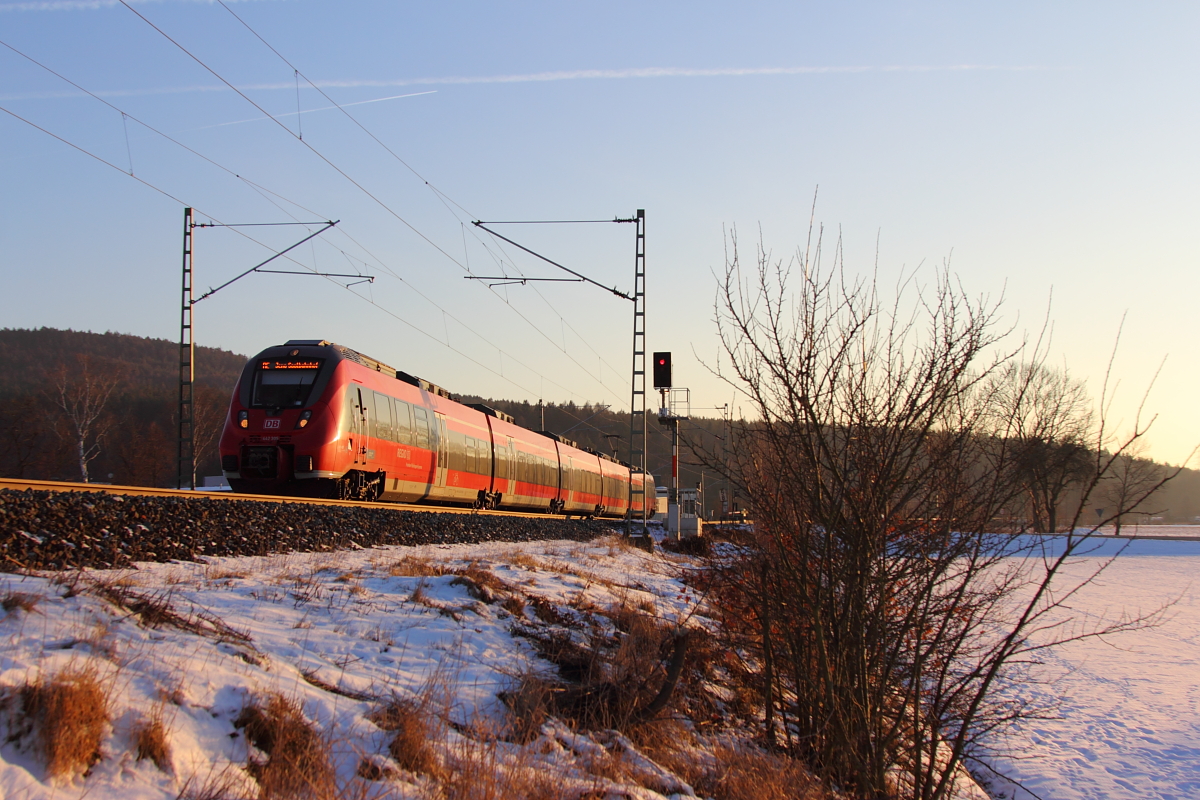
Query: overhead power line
[(442, 196), (262, 189)]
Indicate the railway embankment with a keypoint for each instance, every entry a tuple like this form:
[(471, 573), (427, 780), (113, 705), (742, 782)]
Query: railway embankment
[(49, 530)]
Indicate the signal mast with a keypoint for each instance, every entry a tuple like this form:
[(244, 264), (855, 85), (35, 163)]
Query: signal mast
[(675, 407)]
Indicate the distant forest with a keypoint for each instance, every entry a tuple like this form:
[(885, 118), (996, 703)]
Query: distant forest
[(133, 438)]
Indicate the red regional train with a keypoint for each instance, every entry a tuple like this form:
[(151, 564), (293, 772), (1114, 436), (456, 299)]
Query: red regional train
[(316, 419)]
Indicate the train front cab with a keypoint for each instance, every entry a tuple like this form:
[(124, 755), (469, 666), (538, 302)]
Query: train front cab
[(280, 423)]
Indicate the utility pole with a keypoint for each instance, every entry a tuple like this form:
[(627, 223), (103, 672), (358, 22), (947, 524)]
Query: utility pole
[(639, 532), (185, 462), (637, 402), (185, 468)]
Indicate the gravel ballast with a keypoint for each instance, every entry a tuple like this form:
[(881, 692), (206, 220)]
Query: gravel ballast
[(44, 530)]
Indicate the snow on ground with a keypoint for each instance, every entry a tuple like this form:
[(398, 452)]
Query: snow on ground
[(1128, 712), (331, 630), (338, 631)]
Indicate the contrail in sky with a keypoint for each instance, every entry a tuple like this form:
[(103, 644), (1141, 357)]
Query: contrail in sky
[(566, 75), (311, 110), (90, 5)]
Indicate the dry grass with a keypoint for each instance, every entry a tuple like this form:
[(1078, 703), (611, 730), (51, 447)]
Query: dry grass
[(13, 601), (297, 766), (481, 583), (213, 572), (416, 567), (747, 773), (151, 741), (514, 604), (479, 775), (68, 715), (224, 785), (412, 727), (528, 703), (519, 558)]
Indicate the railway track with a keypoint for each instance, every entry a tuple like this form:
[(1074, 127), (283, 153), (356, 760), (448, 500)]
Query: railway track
[(53, 525), (144, 491)]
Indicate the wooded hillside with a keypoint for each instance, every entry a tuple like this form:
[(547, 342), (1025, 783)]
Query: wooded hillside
[(133, 382)]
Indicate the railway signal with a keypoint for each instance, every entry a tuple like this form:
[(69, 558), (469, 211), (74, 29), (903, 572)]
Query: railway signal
[(662, 370)]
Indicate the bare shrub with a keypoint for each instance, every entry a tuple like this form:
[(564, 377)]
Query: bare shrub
[(68, 713), (151, 741), (889, 454), (611, 678), (297, 764)]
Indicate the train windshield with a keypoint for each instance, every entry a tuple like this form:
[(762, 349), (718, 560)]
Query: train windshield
[(284, 383)]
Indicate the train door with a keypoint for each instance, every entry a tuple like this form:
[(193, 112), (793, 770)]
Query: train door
[(443, 449), (356, 411)]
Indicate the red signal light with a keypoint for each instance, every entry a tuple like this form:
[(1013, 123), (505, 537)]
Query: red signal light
[(662, 370)]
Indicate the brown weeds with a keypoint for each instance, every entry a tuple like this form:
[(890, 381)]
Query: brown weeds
[(20, 600), (748, 773), (297, 764), (529, 703), (416, 567), (514, 604), (68, 714), (481, 583), (151, 741), (224, 785), (412, 727)]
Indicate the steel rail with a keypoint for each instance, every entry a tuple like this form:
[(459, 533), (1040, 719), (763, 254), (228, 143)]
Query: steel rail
[(145, 491)]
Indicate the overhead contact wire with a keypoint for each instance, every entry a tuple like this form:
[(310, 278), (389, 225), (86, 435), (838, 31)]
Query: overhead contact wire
[(260, 189), (445, 198)]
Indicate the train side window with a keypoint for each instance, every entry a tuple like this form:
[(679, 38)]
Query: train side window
[(472, 460), (421, 427), (383, 416), (403, 422), (458, 452), (368, 399)]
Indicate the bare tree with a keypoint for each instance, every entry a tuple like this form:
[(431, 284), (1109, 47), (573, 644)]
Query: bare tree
[(82, 395), (881, 456), (1126, 480), (1048, 415)]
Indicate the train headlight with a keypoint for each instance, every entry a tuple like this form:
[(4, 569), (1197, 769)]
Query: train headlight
[(244, 419), (304, 418)]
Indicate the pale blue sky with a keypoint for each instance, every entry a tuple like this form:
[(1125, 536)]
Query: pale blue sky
[(1051, 148)]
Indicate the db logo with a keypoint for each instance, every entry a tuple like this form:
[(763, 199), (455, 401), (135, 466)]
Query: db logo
[(271, 423)]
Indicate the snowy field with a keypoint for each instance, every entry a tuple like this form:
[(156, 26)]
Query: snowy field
[(1128, 706)]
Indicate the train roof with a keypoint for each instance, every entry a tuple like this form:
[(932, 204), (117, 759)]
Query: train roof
[(375, 364)]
